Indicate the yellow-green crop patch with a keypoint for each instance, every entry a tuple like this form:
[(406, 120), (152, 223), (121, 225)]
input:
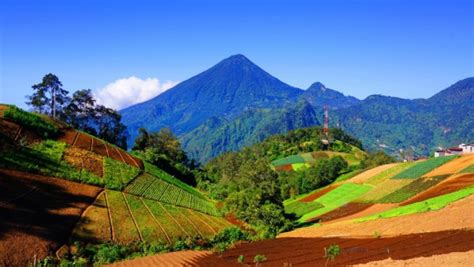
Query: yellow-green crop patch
[(301, 208), (431, 204), (383, 189), (388, 174), (421, 168), (118, 174), (469, 169), (336, 198), (413, 188)]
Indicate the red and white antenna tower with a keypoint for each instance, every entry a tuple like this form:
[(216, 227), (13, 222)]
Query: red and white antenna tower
[(325, 139)]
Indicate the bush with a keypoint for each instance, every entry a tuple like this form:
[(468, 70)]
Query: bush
[(32, 121)]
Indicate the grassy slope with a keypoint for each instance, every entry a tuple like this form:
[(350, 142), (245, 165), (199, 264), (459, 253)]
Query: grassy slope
[(336, 198), (431, 204)]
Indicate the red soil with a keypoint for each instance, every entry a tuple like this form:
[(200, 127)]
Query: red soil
[(344, 211), (38, 213), (310, 251), (456, 183), (317, 194), (68, 136), (286, 168), (99, 147), (83, 141), (9, 128), (83, 159)]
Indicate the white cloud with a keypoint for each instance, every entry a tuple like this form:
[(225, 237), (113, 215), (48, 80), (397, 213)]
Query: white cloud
[(125, 92)]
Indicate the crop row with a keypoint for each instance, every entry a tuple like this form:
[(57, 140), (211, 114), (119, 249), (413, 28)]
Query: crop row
[(133, 218), (412, 189), (154, 188), (118, 174)]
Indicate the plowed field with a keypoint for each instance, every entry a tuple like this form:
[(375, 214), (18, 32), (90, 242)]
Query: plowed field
[(38, 213)]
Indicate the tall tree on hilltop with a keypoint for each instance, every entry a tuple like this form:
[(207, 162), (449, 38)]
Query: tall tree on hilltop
[(49, 96)]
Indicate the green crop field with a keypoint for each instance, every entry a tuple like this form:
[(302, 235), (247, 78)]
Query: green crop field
[(383, 189), (150, 230), (388, 174), (469, 169), (431, 204), (31, 121), (151, 187), (421, 168), (336, 198), (46, 158), (123, 226), (413, 188), (118, 174), (157, 172), (289, 160), (301, 208)]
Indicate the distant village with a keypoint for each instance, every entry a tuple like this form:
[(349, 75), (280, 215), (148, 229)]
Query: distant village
[(461, 149)]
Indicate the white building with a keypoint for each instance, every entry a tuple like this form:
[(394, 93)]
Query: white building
[(467, 148), (461, 149)]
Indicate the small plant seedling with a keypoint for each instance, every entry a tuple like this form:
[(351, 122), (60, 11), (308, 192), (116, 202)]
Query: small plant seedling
[(241, 259), (331, 252), (377, 234), (259, 259)]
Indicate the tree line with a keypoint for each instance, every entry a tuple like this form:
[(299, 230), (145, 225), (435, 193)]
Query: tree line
[(80, 110)]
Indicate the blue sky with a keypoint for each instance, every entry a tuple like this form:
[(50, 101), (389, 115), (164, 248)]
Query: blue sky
[(409, 49)]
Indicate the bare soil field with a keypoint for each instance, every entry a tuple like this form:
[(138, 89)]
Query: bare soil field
[(83, 141), (9, 128), (98, 147), (287, 168), (363, 177), (69, 136), (457, 182), (344, 211), (83, 159), (317, 194), (452, 166), (310, 251), (449, 259), (41, 215)]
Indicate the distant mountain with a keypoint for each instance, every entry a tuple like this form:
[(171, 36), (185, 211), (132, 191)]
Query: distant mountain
[(218, 135), (236, 103), (319, 95), (225, 90), (390, 123)]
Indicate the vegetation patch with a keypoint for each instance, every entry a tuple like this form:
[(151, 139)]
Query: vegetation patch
[(431, 204), (84, 159), (469, 169), (152, 169), (32, 122), (421, 168), (412, 189), (46, 158), (336, 198), (388, 174), (289, 160), (383, 189), (123, 225), (300, 208), (118, 174)]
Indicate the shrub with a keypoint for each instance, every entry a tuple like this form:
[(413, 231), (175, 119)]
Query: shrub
[(31, 121), (331, 252), (241, 259), (259, 259)]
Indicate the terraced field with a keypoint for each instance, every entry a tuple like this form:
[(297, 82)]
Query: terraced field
[(130, 218), (38, 213), (336, 198), (424, 167), (151, 187)]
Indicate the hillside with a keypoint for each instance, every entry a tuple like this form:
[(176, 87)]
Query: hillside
[(418, 212), (235, 104), (226, 89), (60, 185)]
